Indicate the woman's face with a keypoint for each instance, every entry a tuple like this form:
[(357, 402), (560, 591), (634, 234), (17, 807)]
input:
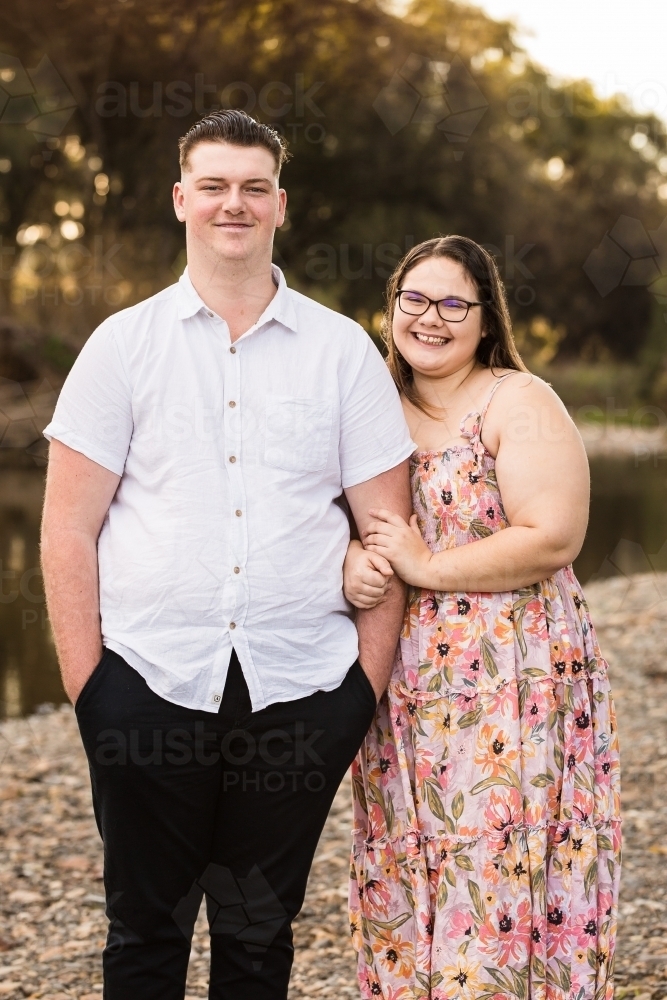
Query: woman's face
[(433, 346)]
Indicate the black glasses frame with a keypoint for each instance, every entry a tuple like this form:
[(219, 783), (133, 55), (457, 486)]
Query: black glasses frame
[(436, 303)]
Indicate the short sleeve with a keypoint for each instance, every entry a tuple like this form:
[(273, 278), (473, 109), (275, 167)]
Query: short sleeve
[(374, 436), (93, 414)]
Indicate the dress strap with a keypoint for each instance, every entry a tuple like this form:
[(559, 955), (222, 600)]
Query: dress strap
[(490, 397), (471, 425)]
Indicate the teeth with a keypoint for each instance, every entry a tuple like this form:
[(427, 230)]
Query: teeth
[(432, 340)]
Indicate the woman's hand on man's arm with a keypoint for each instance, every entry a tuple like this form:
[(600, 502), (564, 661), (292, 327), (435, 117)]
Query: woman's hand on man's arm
[(543, 479), (366, 576)]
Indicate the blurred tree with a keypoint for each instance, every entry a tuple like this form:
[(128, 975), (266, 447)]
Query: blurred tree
[(402, 127)]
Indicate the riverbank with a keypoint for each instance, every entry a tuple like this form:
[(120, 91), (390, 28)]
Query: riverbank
[(52, 921)]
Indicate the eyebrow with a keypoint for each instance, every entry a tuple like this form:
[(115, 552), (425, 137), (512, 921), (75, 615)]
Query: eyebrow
[(249, 180)]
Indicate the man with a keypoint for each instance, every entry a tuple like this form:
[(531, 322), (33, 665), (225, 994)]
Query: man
[(198, 451)]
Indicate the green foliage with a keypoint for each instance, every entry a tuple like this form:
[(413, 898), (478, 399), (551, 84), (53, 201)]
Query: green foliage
[(544, 172)]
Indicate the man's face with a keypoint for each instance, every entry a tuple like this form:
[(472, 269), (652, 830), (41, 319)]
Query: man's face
[(229, 199)]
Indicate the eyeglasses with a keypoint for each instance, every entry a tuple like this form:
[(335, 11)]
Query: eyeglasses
[(451, 309)]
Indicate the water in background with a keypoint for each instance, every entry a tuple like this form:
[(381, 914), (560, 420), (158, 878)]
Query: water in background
[(627, 534)]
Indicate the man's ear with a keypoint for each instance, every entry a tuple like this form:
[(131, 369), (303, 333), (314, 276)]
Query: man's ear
[(179, 197), (282, 206)]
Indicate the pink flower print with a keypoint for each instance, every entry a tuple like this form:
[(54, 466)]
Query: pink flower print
[(535, 620), (470, 474), (515, 931), (422, 469), (583, 804), (505, 702), (446, 509), (423, 763), (377, 894), (426, 921), (501, 814), (605, 905), (506, 933), (558, 928), (388, 762), (460, 924), (585, 928), (539, 929), (603, 769), (488, 512), (536, 709), (575, 751), (442, 775), (428, 609), (376, 822), (470, 662)]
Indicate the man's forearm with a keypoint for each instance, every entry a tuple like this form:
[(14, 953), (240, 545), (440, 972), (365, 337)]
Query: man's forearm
[(69, 564), (379, 629)]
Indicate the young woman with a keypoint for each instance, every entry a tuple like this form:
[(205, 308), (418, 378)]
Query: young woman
[(486, 857)]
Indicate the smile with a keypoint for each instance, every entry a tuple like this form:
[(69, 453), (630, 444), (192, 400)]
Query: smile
[(424, 338)]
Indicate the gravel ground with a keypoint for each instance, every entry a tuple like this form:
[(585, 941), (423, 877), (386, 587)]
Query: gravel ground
[(52, 922)]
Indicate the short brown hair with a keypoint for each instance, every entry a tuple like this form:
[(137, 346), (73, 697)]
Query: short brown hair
[(237, 128), (496, 350)]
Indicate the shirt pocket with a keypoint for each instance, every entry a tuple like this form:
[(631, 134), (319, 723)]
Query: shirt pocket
[(297, 433)]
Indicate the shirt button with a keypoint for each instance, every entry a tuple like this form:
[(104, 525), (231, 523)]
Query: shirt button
[(237, 569), (217, 698), (232, 403), (209, 313), (232, 624), (238, 513), (232, 458), (232, 350)]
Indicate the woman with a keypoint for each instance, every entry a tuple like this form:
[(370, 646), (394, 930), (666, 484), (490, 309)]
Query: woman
[(486, 857)]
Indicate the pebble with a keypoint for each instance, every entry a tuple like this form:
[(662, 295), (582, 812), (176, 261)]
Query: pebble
[(52, 923)]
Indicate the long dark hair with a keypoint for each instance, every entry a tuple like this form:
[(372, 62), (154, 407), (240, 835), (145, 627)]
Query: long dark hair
[(496, 350)]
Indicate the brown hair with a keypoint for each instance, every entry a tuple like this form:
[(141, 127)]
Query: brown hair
[(237, 128), (496, 350)]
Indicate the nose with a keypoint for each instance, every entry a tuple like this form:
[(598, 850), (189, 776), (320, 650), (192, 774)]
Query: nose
[(431, 317), (234, 203)]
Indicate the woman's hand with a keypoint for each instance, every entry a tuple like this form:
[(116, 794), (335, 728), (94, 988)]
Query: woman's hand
[(400, 543), (366, 576)]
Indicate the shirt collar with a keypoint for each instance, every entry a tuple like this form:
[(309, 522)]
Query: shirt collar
[(280, 308)]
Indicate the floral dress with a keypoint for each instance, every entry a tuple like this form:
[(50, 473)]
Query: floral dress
[(486, 844)]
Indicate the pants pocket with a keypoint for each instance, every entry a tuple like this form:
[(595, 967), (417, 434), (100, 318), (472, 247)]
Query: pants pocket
[(85, 690), (365, 682)]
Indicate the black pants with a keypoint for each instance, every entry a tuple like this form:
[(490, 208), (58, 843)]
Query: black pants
[(231, 805)]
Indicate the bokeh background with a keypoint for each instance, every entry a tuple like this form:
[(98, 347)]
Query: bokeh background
[(405, 121)]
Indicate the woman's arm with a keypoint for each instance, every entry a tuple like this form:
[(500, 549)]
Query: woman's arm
[(543, 480)]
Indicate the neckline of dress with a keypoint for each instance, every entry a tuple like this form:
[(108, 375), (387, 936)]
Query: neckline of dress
[(452, 447), (456, 447)]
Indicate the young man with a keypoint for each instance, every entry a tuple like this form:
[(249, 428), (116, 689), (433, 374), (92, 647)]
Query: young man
[(193, 548)]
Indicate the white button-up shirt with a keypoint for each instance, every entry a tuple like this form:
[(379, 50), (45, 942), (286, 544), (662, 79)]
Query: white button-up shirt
[(225, 531)]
